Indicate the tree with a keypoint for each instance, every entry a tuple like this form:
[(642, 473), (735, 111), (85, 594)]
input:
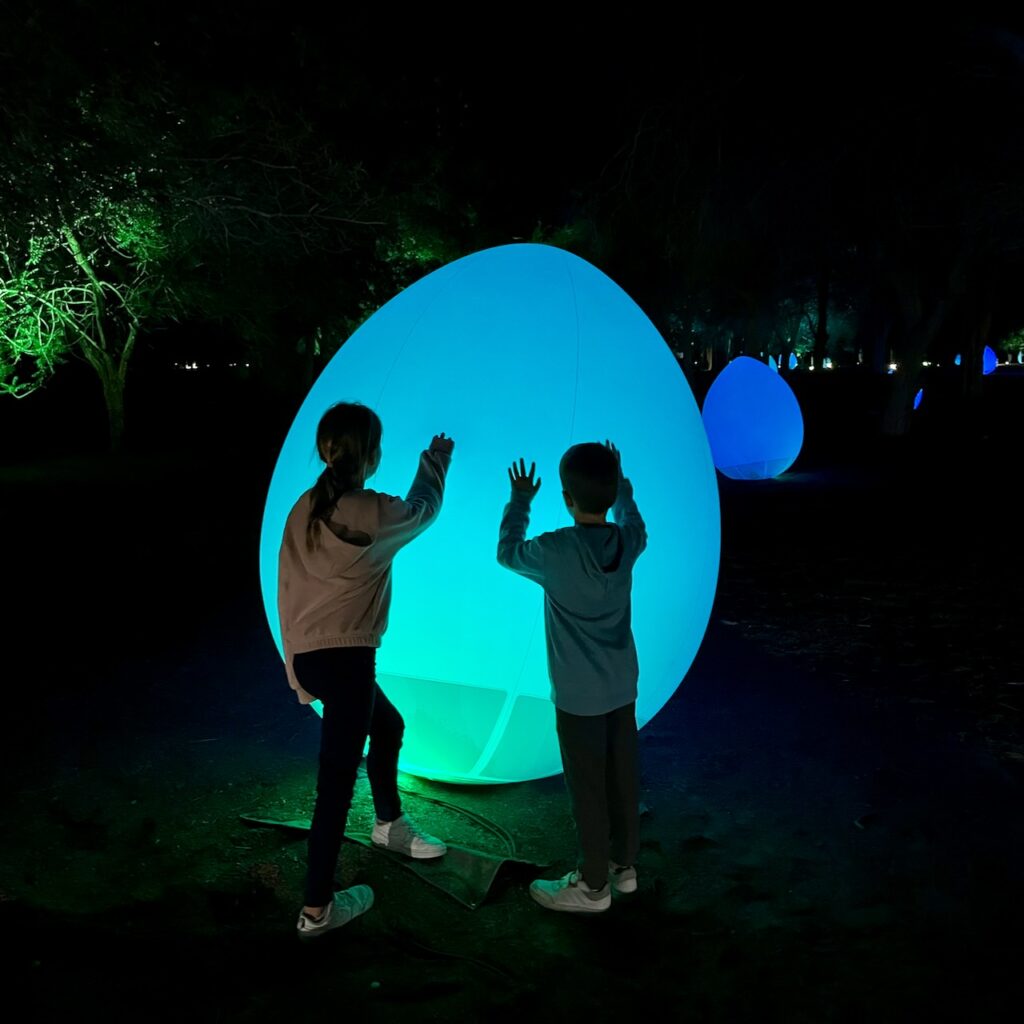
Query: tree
[(54, 302), (126, 205), (85, 254)]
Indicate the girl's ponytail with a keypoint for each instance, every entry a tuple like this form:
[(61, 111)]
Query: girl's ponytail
[(348, 440)]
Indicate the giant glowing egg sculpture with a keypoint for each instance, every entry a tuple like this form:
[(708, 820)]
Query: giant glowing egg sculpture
[(753, 421), (521, 350)]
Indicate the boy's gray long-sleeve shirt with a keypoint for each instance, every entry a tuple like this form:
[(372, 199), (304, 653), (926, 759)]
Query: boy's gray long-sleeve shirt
[(587, 576)]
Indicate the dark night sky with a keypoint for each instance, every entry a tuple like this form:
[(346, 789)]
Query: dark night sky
[(784, 122), (536, 104)]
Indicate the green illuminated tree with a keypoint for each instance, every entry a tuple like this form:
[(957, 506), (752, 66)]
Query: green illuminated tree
[(1013, 343), (82, 285), (124, 208), (85, 252)]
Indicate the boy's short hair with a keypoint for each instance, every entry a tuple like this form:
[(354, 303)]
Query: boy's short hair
[(590, 475)]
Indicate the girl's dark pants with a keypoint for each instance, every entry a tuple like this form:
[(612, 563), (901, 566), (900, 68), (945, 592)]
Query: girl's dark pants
[(344, 679), (599, 757)]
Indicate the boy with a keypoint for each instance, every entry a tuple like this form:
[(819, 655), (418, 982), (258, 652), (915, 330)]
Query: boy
[(586, 571)]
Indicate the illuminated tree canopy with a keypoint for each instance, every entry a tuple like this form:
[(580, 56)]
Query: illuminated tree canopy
[(124, 212), (81, 277)]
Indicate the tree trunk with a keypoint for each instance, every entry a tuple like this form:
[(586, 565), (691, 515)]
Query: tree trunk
[(112, 379), (305, 348), (113, 393), (896, 419), (920, 319), (971, 364), (95, 350), (821, 328), (879, 350)]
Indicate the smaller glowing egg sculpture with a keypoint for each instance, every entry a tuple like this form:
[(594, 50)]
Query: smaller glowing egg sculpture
[(918, 397), (753, 421), (989, 361)]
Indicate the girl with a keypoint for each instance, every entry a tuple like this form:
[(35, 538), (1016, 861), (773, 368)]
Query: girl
[(334, 591)]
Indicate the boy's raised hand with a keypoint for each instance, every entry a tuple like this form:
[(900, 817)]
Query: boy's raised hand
[(618, 456), (440, 443), (522, 482)]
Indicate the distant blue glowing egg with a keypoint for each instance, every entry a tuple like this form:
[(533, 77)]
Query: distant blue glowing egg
[(792, 360), (989, 361), (520, 350), (753, 421), (772, 364), (956, 360), (918, 397)]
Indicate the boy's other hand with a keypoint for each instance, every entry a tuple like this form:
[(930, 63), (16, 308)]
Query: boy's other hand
[(522, 482), (618, 456), (440, 443)]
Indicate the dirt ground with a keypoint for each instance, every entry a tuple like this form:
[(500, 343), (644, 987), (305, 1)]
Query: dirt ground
[(832, 820)]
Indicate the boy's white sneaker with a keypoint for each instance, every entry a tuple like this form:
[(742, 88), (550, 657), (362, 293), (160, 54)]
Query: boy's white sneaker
[(346, 905), (621, 879), (402, 836), (571, 893)]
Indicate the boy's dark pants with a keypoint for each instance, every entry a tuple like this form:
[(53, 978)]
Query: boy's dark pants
[(599, 757), (345, 680)]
